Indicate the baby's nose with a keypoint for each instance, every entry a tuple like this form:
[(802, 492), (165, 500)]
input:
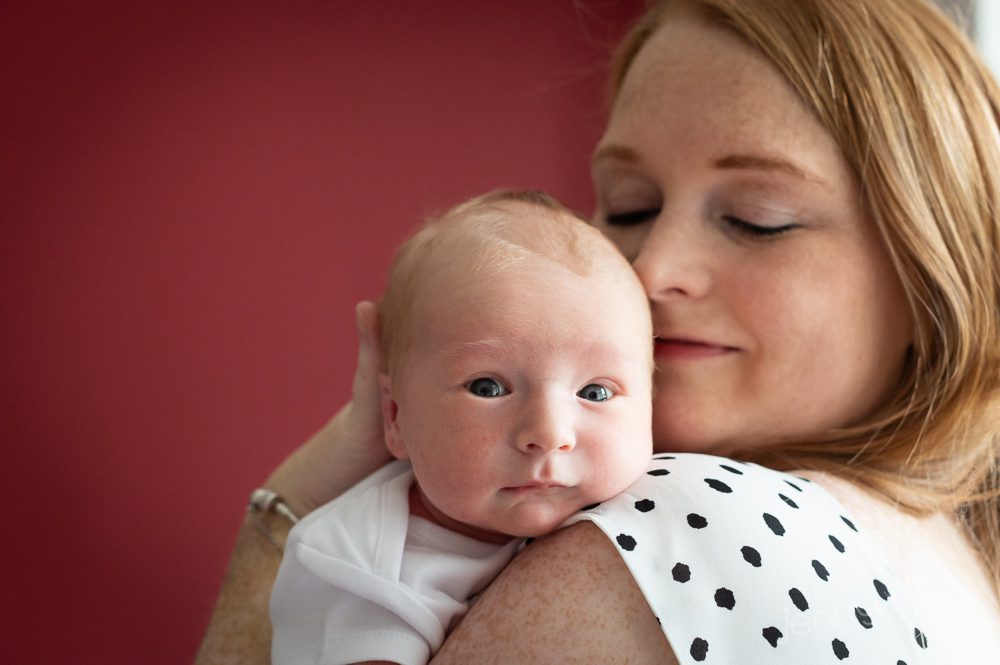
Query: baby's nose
[(547, 427)]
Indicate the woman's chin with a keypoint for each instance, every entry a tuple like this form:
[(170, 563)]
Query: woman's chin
[(683, 442)]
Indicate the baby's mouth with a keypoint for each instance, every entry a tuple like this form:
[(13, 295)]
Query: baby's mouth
[(535, 487)]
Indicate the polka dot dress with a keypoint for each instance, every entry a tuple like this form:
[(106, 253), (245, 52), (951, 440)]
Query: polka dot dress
[(743, 564)]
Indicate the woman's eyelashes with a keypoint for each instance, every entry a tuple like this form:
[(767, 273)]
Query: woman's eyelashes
[(631, 217), (636, 217), (756, 230)]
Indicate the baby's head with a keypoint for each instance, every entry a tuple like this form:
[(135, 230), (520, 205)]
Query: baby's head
[(517, 361)]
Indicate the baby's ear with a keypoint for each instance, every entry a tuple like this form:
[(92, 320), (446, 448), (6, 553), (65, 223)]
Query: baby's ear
[(390, 419)]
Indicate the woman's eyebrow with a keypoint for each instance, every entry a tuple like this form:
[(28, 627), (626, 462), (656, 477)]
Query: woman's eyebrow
[(735, 162), (773, 164), (614, 151)]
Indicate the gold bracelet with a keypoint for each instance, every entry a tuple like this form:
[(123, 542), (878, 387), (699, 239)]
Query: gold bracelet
[(267, 501)]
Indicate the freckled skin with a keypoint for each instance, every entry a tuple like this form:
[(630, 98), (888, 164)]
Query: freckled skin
[(576, 602)]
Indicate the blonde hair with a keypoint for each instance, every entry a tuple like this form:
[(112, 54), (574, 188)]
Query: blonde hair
[(915, 112), (487, 235)]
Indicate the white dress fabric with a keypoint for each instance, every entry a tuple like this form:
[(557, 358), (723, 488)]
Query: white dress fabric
[(362, 579), (743, 564)]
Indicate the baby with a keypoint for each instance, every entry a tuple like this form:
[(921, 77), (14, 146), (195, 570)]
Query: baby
[(516, 390)]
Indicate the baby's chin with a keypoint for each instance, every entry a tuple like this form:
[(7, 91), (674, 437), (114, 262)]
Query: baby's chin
[(534, 521)]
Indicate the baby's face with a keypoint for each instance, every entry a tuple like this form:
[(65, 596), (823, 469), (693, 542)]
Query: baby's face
[(525, 397)]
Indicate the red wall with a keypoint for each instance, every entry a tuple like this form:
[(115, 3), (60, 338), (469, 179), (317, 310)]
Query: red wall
[(193, 196)]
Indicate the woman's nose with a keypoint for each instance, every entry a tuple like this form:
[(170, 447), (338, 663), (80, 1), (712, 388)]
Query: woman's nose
[(672, 261), (546, 427)]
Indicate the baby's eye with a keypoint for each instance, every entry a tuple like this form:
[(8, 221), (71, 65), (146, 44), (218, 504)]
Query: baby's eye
[(487, 388), (594, 392)]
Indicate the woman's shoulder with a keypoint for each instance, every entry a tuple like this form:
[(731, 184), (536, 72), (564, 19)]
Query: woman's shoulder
[(767, 566), (805, 585), (936, 560), (715, 496)]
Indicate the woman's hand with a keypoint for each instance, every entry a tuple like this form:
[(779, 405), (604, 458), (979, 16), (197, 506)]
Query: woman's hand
[(351, 445)]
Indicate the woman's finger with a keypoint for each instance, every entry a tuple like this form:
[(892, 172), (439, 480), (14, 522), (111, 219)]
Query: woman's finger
[(367, 414)]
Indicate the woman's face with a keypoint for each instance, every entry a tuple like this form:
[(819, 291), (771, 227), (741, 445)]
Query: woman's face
[(776, 308)]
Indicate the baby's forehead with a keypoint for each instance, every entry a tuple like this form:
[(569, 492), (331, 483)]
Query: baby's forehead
[(501, 233), (529, 295), (506, 269), (492, 246)]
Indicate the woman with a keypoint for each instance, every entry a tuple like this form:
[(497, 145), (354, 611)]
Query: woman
[(806, 189)]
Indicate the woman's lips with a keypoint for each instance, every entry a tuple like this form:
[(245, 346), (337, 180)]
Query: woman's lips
[(675, 348)]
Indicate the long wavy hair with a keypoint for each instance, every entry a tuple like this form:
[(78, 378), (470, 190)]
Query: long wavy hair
[(915, 112)]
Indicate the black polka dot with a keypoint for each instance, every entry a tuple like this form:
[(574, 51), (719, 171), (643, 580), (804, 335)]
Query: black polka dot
[(773, 524), (840, 650), (663, 457), (644, 505), (627, 543), (699, 649), (920, 637), (805, 480), (837, 544), (900, 662), (696, 521), (862, 617), (798, 599), (821, 570), (883, 590), (849, 523), (788, 501), (751, 556), (658, 472), (590, 507), (724, 598), (681, 573), (731, 469), (772, 634), (793, 486), (719, 486)]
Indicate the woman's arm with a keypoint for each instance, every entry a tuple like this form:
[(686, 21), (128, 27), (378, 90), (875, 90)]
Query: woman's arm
[(239, 630), (568, 598), (346, 450)]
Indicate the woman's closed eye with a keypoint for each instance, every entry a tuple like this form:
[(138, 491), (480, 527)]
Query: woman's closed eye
[(631, 217), (486, 387), (756, 230)]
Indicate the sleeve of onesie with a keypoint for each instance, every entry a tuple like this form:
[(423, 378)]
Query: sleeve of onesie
[(338, 597), (744, 564), (317, 622)]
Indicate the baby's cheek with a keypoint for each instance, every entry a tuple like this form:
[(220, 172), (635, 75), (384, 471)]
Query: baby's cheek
[(629, 465), (613, 475), (459, 482)]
